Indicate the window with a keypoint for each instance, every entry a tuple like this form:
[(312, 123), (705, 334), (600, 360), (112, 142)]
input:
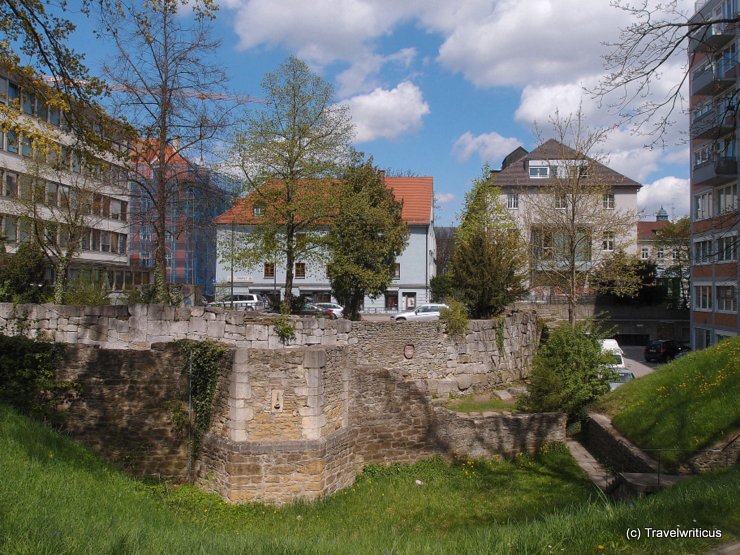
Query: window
[(702, 155), (124, 211), (10, 228), (702, 251), (105, 241), (269, 270), (608, 243), (76, 162), (11, 143), (727, 198), (115, 209), (29, 101), (300, 270), (397, 271), (609, 201), (11, 185), (95, 245), (14, 92), (512, 201), (26, 149), (258, 210), (561, 202), (85, 240), (55, 117), (645, 253), (122, 243), (727, 249), (51, 193), (703, 297), (661, 253), (726, 298), (703, 206), (539, 172)]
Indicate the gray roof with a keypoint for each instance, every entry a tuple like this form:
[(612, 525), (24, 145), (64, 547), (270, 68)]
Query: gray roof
[(516, 173)]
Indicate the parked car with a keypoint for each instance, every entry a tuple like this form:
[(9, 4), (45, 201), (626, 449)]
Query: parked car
[(661, 350), (622, 377), (425, 312), (244, 301), (310, 309), (337, 311)]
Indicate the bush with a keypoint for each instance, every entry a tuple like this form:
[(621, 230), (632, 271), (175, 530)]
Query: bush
[(455, 317), (22, 273), (28, 375), (86, 292), (568, 371)]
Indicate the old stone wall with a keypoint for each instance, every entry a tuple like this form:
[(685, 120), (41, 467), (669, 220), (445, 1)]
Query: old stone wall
[(496, 433), (607, 444), (127, 406), (491, 352)]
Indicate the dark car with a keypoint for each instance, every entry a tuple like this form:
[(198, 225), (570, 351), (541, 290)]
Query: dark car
[(661, 350)]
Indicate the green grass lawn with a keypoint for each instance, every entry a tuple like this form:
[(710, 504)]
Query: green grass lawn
[(688, 404), (57, 498)]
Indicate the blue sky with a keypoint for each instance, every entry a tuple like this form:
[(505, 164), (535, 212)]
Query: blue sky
[(440, 88)]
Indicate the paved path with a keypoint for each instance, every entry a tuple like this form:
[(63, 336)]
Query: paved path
[(596, 473)]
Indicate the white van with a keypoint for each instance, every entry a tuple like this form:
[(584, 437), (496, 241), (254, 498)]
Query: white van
[(611, 347)]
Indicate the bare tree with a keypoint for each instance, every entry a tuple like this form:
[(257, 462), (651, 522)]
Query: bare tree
[(570, 214), (661, 34), (168, 90), (445, 239)]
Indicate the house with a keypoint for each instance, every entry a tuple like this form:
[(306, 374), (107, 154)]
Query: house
[(413, 269), (195, 196), (713, 76), (557, 195), (63, 185)]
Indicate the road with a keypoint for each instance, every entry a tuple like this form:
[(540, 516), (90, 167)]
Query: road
[(635, 361)]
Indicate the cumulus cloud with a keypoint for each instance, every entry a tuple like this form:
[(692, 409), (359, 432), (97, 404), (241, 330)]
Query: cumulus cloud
[(671, 193), (388, 113), (489, 146), (444, 198)]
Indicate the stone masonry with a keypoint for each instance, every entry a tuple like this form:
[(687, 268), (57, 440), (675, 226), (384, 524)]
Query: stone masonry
[(296, 421)]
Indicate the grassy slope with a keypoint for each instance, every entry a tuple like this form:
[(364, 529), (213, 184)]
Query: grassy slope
[(57, 498), (687, 404)]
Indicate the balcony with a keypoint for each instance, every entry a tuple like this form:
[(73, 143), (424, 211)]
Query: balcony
[(722, 169), (713, 124), (713, 78), (711, 38)]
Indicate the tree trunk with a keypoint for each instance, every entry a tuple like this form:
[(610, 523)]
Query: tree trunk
[(60, 279)]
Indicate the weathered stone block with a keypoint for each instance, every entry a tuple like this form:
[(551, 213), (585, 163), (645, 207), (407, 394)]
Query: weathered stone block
[(314, 358)]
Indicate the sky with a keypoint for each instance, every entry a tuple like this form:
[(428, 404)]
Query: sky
[(441, 88)]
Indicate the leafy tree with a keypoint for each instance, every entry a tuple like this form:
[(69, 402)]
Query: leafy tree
[(675, 240), (367, 235), (445, 239), (618, 275), (489, 255), (169, 90), (289, 153), (568, 371), (22, 274)]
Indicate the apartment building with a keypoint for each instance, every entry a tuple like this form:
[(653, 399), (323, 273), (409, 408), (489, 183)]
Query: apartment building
[(554, 188), (58, 186), (715, 219), (413, 270)]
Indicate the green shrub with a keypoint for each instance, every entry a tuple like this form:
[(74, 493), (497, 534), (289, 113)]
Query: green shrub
[(28, 379), (455, 317), (568, 371), (285, 328), (86, 292)]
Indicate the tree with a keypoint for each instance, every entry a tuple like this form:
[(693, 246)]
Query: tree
[(568, 217), (569, 371), (366, 236), (675, 240), (22, 274), (489, 256), (618, 275), (167, 90), (445, 240), (289, 153), (659, 35)]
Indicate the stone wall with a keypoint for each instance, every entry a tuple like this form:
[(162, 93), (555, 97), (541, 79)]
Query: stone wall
[(296, 421), (126, 407), (416, 350)]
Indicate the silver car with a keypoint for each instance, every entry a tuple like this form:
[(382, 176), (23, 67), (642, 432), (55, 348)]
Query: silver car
[(423, 313)]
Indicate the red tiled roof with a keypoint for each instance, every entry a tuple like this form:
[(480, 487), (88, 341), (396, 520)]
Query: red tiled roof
[(416, 193), (646, 230)]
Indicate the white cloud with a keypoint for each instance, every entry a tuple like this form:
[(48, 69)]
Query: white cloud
[(489, 146), (361, 76), (388, 113), (444, 198), (671, 193)]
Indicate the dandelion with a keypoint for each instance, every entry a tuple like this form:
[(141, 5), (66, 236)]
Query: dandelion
[(600, 547)]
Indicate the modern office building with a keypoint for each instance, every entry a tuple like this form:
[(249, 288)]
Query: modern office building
[(715, 219)]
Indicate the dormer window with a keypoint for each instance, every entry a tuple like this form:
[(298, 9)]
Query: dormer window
[(539, 172), (258, 210)]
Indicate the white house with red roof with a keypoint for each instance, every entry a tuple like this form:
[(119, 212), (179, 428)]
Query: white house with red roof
[(414, 268)]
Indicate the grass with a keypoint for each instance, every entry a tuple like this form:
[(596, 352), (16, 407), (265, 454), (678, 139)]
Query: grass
[(686, 405), (478, 403), (55, 497)]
